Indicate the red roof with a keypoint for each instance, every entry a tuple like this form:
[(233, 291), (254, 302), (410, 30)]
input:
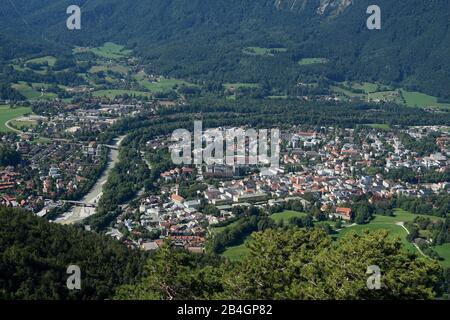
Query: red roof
[(177, 198), (344, 211)]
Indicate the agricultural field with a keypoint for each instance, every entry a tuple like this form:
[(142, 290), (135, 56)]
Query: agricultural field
[(259, 51), (33, 90), (7, 113), (417, 99), (109, 50), (312, 61), (378, 92), (347, 93)]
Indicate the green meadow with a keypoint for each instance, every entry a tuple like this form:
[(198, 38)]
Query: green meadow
[(47, 59), (387, 223), (444, 252), (373, 92), (33, 90), (7, 113), (106, 67), (286, 215), (163, 84), (312, 61), (378, 223), (236, 253), (111, 50), (259, 51), (417, 99)]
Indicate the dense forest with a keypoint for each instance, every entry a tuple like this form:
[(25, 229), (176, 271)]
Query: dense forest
[(293, 264), (285, 263), (35, 255), (206, 42)]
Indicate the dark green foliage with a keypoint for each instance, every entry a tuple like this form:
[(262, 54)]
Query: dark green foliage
[(8, 93), (9, 156), (435, 205), (251, 220), (35, 254), (203, 41), (424, 146), (294, 264)]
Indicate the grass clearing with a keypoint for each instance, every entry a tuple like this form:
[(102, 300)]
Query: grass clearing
[(7, 113), (236, 253), (347, 93), (387, 223), (163, 84), (378, 92), (259, 51), (105, 68), (417, 99), (312, 61), (111, 50), (444, 252), (33, 91), (216, 230), (42, 60), (367, 87), (286, 215)]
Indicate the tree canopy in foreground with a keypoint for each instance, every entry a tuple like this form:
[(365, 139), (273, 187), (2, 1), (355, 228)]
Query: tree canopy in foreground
[(293, 264)]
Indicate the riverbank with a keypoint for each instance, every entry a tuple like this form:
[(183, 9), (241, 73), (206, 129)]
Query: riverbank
[(78, 214)]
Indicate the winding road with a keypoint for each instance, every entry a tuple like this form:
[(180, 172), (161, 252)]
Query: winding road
[(402, 224), (11, 128)]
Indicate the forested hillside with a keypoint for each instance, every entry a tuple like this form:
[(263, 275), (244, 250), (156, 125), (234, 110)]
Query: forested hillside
[(204, 41), (35, 254), (293, 264)]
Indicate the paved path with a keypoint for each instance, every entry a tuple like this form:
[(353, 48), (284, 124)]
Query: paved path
[(402, 224), (11, 128)]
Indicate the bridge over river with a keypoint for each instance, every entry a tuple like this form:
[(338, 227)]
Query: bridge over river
[(86, 207)]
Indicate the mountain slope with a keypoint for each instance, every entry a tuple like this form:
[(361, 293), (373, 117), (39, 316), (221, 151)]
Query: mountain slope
[(204, 40)]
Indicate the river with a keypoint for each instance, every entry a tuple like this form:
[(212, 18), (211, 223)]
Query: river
[(77, 214)]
